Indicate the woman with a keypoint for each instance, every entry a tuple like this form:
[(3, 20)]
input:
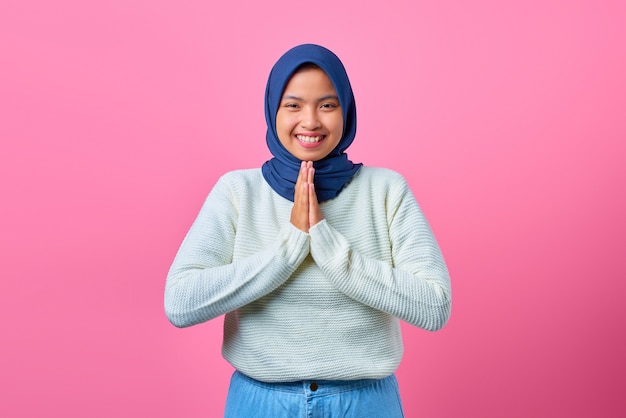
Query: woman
[(313, 260)]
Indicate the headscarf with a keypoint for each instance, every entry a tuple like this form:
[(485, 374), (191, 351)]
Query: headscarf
[(332, 172)]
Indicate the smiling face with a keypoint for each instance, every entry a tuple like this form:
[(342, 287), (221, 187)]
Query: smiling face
[(309, 121)]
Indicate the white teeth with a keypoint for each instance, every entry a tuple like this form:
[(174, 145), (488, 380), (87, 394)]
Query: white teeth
[(309, 138)]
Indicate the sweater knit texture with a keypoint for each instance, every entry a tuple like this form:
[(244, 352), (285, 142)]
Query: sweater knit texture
[(322, 305)]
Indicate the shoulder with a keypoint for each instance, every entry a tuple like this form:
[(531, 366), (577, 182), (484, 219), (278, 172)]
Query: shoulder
[(236, 185), (380, 174), (382, 185), (242, 175), (240, 180), (379, 178)]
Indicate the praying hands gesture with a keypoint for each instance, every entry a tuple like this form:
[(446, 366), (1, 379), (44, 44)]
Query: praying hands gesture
[(306, 210)]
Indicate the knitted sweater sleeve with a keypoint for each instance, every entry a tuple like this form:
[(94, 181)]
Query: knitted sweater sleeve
[(204, 282), (415, 287)]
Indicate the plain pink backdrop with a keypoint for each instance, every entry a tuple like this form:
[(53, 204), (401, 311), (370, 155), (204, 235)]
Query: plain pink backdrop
[(508, 118)]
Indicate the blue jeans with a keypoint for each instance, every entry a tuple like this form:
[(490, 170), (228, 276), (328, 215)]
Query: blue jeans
[(368, 398)]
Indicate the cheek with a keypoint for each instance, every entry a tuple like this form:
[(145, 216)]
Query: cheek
[(282, 124), (284, 128), (337, 126)]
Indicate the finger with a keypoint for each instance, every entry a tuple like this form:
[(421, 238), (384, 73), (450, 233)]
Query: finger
[(315, 211), (310, 173), (300, 210), (301, 173), (303, 198), (299, 181)]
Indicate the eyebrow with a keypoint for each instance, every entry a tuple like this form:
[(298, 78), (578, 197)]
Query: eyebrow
[(321, 99)]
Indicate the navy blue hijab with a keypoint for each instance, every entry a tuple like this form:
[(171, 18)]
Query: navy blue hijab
[(335, 170)]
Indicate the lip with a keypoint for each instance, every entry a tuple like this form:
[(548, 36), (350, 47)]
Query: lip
[(310, 144)]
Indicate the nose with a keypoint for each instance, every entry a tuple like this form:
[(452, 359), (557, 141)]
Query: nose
[(310, 119)]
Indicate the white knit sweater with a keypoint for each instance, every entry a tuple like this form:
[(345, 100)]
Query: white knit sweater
[(323, 305)]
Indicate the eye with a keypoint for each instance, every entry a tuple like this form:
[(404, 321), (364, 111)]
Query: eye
[(329, 106), (291, 106)]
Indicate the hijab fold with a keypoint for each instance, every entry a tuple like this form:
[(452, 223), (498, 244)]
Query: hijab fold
[(334, 171)]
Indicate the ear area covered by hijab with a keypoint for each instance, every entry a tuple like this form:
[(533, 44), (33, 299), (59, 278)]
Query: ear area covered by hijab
[(334, 171)]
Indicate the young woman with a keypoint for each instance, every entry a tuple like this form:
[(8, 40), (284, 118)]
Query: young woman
[(312, 259)]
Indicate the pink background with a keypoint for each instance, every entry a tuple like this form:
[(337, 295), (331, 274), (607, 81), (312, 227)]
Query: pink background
[(508, 119)]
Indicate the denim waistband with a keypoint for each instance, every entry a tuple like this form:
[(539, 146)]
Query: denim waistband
[(314, 387)]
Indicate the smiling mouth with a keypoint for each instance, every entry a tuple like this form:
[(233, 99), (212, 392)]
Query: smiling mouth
[(310, 139)]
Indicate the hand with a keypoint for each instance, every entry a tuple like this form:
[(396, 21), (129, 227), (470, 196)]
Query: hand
[(306, 210), (315, 211), (300, 210)]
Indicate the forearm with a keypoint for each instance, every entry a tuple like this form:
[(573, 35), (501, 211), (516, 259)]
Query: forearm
[(201, 286), (418, 293)]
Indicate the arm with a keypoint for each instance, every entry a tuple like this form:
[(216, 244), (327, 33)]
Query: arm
[(416, 288), (204, 282)]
